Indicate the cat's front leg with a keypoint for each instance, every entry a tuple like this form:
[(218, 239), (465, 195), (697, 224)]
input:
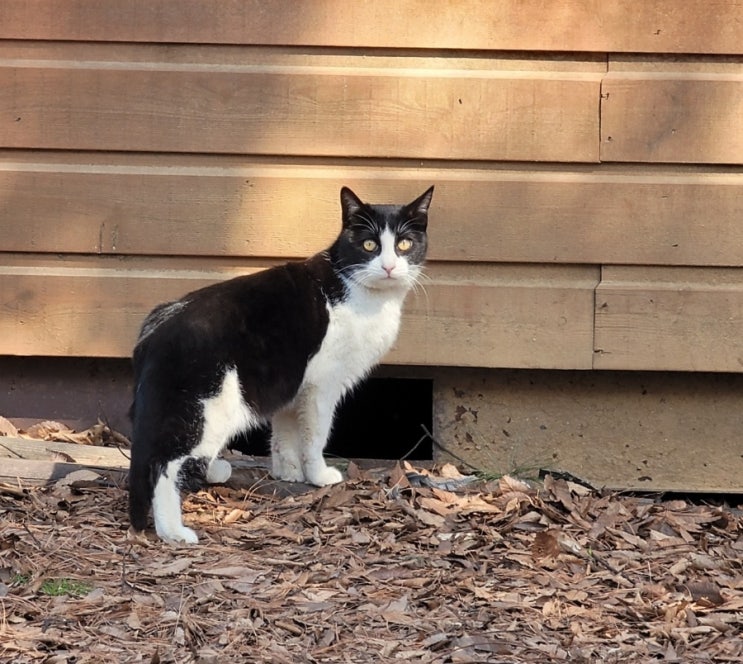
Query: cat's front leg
[(315, 410), (286, 463)]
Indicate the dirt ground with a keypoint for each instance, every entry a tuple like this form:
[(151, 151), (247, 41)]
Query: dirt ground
[(399, 564)]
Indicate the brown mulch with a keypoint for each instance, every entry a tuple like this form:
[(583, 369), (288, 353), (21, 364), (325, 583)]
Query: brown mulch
[(372, 570)]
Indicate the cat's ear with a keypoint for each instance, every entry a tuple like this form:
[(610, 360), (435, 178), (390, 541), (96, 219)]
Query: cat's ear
[(418, 209), (350, 204)]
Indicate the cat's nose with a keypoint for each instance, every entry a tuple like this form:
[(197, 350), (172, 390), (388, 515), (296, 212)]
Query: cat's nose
[(388, 269)]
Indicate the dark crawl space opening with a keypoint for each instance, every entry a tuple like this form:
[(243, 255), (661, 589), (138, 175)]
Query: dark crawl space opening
[(384, 418)]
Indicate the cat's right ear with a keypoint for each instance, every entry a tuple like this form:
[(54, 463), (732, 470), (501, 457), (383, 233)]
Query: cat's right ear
[(350, 204)]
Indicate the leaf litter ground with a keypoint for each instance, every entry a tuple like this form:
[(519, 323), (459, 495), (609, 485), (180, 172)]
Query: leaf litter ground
[(397, 564)]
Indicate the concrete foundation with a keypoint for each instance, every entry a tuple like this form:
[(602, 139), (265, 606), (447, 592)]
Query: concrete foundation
[(630, 430)]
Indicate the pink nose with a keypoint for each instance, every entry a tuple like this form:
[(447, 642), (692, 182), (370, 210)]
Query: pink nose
[(388, 269)]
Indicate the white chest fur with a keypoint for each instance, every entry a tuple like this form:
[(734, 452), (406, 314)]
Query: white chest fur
[(360, 331)]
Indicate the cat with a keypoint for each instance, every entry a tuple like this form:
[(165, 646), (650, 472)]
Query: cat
[(281, 346)]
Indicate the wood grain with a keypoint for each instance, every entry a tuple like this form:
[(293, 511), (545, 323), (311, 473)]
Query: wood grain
[(231, 207), (697, 26), (674, 319), (672, 117), (354, 110), (41, 450), (499, 315)]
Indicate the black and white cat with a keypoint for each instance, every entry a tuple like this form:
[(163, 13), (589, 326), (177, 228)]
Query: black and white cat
[(280, 346)]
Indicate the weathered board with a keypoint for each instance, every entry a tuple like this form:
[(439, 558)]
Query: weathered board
[(696, 26), (663, 111), (492, 315), (669, 319), (26, 449), (314, 106), (208, 206)]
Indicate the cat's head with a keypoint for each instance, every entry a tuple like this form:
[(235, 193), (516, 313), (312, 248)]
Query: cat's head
[(382, 246)]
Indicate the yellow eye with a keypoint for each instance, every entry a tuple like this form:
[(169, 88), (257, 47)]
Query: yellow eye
[(405, 244), (369, 245)]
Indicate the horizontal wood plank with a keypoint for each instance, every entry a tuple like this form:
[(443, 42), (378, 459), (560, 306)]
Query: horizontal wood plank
[(41, 450), (570, 25), (353, 110), (673, 117), (500, 316), (512, 316), (675, 319), (171, 205)]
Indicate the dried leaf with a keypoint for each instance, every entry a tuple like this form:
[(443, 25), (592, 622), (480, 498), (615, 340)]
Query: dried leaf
[(7, 428), (545, 545), (706, 594), (173, 568)]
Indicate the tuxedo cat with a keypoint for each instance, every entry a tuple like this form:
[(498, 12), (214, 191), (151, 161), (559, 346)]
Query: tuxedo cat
[(280, 346)]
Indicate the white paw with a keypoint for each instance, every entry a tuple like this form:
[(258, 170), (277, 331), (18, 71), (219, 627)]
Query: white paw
[(324, 476), (288, 472), (219, 471), (181, 535)]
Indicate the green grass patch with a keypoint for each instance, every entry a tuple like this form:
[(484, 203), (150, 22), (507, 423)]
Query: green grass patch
[(69, 587), (20, 579)]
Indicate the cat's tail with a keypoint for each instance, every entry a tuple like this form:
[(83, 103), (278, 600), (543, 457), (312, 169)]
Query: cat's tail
[(140, 491), (141, 484)]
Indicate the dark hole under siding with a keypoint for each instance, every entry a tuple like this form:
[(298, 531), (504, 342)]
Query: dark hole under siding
[(384, 418)]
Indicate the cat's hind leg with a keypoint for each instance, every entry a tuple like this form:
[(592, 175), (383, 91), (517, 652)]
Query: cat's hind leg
[(190, 474), (286, 462), (223, 415), (166, 505)]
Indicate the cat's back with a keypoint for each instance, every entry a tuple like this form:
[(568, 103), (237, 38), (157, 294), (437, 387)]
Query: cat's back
[(275, 317)]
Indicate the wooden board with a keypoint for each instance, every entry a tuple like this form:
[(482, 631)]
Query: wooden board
[(177, 205), (677, 319), (673, 116), (499, 315), (12, 448), (354, 109), (696, 26)]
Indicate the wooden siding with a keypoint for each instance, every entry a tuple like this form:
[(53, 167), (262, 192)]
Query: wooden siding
[(588, 197), (517, 213), (650, 26), (669, 318), (494, 315), (332, 107)]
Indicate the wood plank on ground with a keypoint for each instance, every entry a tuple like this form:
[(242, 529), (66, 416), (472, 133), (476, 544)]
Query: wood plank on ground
[(231, 207), (673, 319), (484, 315), (515, 25), (308, 105), (73, 453)]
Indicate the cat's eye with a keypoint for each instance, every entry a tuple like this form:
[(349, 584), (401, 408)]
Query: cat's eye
[(369, 245), (405, 244)]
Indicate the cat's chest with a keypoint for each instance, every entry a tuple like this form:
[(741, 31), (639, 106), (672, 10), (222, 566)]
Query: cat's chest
[(360, 331)]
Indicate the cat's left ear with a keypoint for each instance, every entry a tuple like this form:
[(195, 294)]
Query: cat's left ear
[(418, 209), (350, 204)]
